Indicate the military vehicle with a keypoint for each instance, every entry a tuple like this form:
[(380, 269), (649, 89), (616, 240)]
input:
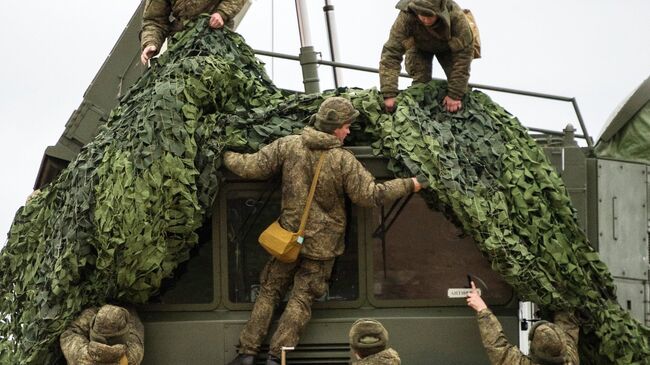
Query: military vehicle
[(396, 267)]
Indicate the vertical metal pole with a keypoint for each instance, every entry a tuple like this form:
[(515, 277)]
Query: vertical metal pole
[(330, 20), (283, 357), (307, 57), (526, 313)]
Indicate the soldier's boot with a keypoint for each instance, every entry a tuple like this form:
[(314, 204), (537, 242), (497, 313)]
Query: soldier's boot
[(272, 360), (243, 359)]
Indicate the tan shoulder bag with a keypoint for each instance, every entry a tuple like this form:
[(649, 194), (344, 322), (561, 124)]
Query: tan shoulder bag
[(283, 244)]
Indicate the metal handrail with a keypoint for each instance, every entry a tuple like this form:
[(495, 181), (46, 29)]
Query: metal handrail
[(572, 100)]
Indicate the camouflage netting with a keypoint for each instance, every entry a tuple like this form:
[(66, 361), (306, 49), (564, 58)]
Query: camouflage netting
[(123, 215)]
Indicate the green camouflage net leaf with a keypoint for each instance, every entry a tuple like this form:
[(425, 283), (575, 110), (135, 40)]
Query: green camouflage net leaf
[(124, 214)]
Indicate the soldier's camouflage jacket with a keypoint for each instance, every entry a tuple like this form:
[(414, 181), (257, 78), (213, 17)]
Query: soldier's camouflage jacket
[(164, 17), (502, 352), (78, 349), (449, 39), (386, 357), (341, 174)]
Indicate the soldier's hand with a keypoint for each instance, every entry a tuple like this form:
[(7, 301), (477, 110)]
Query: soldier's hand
[(389, 104), (147, 53), (474, 299), (451, 105), (416, 184), (216, 21), (104, 353)]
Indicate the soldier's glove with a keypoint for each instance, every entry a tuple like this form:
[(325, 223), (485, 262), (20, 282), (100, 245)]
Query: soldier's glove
[(102, 353)]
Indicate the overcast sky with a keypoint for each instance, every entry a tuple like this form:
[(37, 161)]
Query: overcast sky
[(595, 50)]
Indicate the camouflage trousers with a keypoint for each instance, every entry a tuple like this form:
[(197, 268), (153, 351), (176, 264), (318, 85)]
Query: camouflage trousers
[(309, 278), (419, 64)]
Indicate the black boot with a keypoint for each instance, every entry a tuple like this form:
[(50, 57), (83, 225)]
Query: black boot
[(243, 359), (272, 360)]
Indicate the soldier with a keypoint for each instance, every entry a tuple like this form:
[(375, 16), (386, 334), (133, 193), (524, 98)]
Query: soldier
[(550, 343), (368, 341), (342, 174), (423, 29), (109, 335), (162, 18)]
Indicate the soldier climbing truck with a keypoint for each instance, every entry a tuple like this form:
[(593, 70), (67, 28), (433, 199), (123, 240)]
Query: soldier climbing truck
[(401, 264)]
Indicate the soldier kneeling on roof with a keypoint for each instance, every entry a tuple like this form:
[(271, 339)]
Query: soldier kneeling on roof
[(550, 343), (110, 335), (369, 344)]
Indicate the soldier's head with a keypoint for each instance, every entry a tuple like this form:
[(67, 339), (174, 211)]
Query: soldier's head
[(427, 11), (335, 116), (110, 325), (367, 337), (547, 343)]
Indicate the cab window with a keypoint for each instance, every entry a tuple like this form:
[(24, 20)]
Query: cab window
[(422, 254), (248, 212), (193, 282)]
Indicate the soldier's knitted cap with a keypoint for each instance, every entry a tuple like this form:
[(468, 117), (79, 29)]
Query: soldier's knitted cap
[(333, 113), (368, 333), (110, 323), (426, 7), (546, 343)]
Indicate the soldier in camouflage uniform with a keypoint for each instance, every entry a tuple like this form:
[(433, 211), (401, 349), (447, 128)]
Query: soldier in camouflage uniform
[(423, 29), (109, 335), (550, 343), (162, 18), (342, 174), (369, 342)]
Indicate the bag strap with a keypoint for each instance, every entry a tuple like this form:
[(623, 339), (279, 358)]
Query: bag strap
[(312, 190)]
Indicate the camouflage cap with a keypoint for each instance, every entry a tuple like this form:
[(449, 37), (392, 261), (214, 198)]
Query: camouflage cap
[(368, 333), (333, 113), (109, 325), (546, 343), (426, 7)]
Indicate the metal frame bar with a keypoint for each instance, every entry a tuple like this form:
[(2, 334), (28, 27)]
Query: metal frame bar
[(571, 100)]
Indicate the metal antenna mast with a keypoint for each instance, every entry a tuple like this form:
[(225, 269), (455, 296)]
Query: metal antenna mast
[(330, 20), (307, 57)]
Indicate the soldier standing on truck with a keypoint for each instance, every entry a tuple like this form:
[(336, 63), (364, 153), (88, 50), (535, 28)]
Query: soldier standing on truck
[(550, 343), (369, 344), (423, 29), (296, 157), (163, 18)]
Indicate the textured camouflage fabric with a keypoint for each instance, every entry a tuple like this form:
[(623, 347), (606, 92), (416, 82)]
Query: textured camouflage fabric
[(449, 39), (502, 352), (162, 18), (368, 333), (116, 333), (110, 325), (341, 174), (386, 357), (333, 113), (309, 278)]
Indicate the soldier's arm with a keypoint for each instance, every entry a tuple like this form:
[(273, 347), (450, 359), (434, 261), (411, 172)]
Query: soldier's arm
[(569, 323), (74, 340), (499, 350), (392, 55), (258, 166), (229, 8), (155, 23), (360, 185), (135, 339), (462, 55)]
